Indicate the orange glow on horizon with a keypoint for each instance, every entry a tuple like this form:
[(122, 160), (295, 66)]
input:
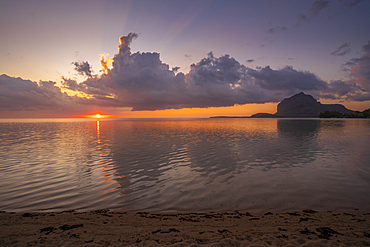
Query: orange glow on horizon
[(98, 116), (237, 110)]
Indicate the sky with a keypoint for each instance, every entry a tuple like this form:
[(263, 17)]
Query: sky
[(185, 58)]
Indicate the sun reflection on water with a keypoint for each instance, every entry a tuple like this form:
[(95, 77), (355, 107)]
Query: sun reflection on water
[(98, 128)]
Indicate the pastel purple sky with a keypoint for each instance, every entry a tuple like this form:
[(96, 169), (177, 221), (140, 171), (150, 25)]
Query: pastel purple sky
[(228, 53)]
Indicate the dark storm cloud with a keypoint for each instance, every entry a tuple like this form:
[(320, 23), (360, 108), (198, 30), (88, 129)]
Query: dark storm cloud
[(342, 50), (83, 68)]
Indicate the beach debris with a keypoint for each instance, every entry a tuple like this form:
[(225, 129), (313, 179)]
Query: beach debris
[(169, 230), (210, 216), (68, 211), (47, 230), (223, 231), (305, 219), (69, 227), (101, 211), (282, 236), (326, 232), (309, 211), (28, 215), (307, 232), (294, 214), (189, 219)]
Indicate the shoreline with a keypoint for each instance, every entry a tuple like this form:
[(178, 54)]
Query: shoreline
[(112, 228)]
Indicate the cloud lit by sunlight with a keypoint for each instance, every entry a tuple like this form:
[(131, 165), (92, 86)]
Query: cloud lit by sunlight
[(106, 63)]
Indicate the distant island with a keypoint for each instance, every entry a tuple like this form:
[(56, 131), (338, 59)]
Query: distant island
[(305, 106), (335, 114)]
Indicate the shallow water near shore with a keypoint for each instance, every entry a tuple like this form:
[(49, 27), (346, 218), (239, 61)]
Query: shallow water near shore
[(192, 165)]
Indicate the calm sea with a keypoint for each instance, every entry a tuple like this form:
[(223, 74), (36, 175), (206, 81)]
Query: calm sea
[(185, 165)]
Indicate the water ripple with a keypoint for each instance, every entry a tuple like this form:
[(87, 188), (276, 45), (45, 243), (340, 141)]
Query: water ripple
[(185, 165)]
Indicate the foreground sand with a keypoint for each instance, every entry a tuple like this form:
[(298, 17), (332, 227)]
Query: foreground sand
[(104, 228)]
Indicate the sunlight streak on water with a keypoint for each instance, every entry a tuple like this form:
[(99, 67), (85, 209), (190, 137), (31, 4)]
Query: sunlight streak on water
[(185, 165)]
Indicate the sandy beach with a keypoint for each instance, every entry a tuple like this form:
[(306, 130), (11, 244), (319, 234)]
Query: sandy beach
[(105, 228)]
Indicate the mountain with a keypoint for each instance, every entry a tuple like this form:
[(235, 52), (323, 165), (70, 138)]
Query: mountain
[(303, 105)]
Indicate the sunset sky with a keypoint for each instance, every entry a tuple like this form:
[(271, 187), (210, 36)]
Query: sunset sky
[(183, 58)]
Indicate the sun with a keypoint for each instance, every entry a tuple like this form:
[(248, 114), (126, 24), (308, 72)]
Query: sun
[(99, 116)]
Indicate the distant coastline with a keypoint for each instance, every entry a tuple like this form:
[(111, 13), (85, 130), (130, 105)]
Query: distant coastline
[(305, 106), (229, 117)]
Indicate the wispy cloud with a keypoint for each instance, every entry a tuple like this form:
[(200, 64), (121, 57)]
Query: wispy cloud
[(350, 3), (342, 50), (277, 29), (315, 9)]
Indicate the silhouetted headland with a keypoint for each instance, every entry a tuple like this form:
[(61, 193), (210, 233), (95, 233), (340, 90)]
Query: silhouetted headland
[(300, 106)]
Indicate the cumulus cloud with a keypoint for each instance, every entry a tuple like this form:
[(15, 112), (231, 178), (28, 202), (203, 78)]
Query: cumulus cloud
[(340, 89), (342, 50), (141, 81), (83, 68), (287, 79), (125, 41), (17, 94)]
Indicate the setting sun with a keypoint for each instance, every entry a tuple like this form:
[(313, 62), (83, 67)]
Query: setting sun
[(97, 115)]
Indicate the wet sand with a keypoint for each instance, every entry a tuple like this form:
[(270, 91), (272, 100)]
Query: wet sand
[(105, 228)]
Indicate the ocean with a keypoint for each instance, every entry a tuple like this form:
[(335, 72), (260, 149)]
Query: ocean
[(184, 165)]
